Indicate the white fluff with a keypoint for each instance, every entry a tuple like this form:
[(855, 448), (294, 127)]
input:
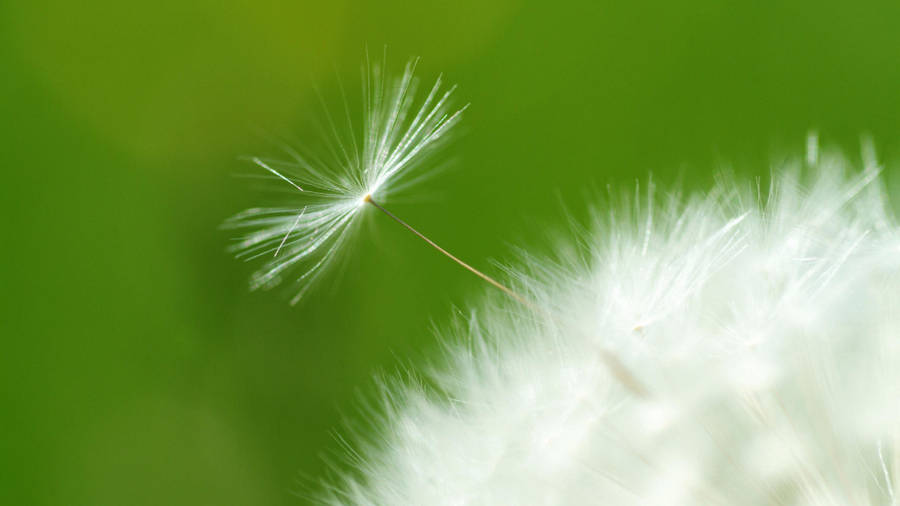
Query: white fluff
[(765, 329), (398, 132)]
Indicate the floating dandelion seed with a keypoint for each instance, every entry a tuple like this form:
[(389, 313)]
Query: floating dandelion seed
[(400, 131)]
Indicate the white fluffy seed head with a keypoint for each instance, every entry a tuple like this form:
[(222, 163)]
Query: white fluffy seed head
[(400, 129), (766, 329)]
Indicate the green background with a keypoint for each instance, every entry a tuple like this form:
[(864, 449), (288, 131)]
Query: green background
[(137, 368)]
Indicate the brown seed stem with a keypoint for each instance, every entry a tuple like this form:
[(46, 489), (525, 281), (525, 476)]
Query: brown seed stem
[(492, 281)]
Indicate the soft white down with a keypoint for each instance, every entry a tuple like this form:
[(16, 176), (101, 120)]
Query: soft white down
[(763, 325)]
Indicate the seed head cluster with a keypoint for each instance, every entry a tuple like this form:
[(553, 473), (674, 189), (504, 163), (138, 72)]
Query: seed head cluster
[(765, 327)]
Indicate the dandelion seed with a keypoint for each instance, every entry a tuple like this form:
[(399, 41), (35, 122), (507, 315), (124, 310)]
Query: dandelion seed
[(401, 129), (395, 142)]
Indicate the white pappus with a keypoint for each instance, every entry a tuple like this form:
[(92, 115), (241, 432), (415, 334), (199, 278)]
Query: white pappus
[(400, 129), (764, 326)]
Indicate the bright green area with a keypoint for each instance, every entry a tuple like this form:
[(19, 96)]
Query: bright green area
[(137, 369)]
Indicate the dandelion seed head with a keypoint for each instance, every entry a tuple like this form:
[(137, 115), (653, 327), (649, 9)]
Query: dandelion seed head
[(382, 155), (766, 328)]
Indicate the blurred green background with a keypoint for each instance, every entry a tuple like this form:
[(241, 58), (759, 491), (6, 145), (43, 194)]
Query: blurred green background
[(136, 366)]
